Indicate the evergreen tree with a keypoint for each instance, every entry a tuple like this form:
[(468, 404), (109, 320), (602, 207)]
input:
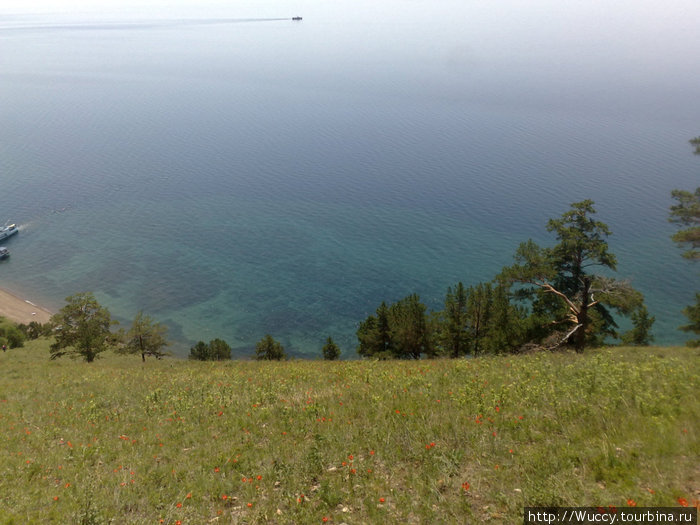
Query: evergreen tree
[(692, 312), (219, 350), (478, 313), (453, 323), (374, 336), (215, 350), (409, 328), (687, 214), (200, 352), (506, 322), (560, 284), (640, 335), (330, 350), (267, 349)]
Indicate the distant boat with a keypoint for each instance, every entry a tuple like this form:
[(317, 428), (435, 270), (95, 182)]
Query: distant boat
[(296, 18), (8, 231), (4, 253)]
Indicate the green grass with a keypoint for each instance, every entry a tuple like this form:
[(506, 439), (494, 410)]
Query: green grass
[(446, 441)]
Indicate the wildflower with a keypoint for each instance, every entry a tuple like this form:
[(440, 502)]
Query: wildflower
[(179, 505), (381, 500), (224, 497), (631, 503), (189, 495), (325, 519), (465, 485), (682, 502), (55, 498), (216, 469), (250, 505)]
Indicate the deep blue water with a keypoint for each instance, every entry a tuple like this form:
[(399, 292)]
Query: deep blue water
[(234, 173)]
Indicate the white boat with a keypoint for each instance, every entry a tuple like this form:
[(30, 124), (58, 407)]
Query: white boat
[(8, 231)]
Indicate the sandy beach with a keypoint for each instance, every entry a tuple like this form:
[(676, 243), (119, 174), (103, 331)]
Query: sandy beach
[(21, 310)]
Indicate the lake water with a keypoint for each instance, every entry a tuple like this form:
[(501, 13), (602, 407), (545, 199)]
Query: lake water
[(235, 173)]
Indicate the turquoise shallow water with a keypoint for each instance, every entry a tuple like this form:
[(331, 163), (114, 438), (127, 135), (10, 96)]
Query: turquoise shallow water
[(233, 177)]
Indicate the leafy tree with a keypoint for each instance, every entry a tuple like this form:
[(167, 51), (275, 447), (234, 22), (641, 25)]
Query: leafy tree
[(10, 334), (267, 349), (330, 350), (640, 335), (81, 328), (560, 283), (215, 350), (146, 337)]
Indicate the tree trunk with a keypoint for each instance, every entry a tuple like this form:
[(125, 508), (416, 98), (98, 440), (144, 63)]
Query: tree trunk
[(582, 318)]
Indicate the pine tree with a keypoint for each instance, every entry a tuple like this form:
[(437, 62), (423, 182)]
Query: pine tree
[(267, 349), (560, 284), (330, 350)]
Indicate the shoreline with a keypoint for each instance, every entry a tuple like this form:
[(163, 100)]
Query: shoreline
[(20, 310)]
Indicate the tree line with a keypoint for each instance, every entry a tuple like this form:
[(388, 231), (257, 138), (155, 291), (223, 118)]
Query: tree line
[(563, 296)]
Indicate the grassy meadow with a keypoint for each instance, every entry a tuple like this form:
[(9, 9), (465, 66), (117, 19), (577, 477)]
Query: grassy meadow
[(444, 441)]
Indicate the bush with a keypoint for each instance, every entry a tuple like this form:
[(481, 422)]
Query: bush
[(11, 336)]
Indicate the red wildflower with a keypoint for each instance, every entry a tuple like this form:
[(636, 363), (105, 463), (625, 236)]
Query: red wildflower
[(631, 503), (179, 505), (465, 485), (682, 502), (381, 500)]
